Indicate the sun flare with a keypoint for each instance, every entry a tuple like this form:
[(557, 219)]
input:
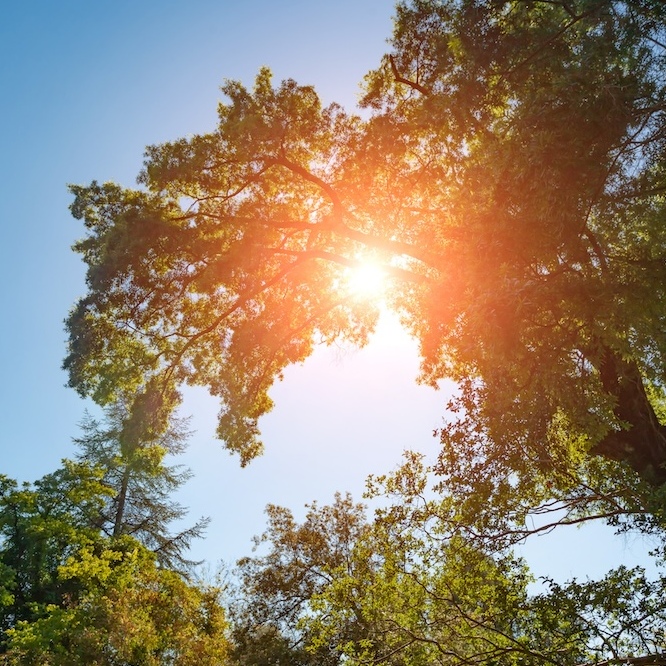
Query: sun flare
[(367, 280)]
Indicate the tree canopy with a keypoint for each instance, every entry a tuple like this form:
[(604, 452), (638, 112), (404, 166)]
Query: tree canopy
[(126, 610), (401, 589), (507, 174), (70, 594)]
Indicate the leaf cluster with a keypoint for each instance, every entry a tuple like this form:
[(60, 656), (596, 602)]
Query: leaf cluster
[(410, 587)]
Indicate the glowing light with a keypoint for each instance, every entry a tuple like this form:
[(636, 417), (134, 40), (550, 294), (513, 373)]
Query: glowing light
[(366, 281)]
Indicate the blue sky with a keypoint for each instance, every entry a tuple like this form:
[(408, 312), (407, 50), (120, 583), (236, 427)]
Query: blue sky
[(85, 87)]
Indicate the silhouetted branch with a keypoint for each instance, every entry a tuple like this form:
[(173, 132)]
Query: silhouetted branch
[(401, 79)]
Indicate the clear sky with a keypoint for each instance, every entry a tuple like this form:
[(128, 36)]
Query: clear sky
[(85, 87)]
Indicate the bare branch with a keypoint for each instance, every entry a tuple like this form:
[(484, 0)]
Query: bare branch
[(401, 79)]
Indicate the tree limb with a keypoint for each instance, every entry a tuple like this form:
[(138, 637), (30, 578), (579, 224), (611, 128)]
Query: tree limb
[(401, 79)]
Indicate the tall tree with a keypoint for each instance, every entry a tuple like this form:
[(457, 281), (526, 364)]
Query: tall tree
[(70, 594), (132, 464), (510, 181), (509, 178)]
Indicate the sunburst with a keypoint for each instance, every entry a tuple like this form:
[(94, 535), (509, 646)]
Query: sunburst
[(366, 280)]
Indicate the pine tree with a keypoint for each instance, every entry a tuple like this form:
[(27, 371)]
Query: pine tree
[(134, 468)]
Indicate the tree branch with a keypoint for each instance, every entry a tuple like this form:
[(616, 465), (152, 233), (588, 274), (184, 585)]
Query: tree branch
[(401, 79), (393, 246), (393, 271), (647, 660)]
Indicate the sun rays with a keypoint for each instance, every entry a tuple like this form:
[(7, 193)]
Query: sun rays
[(366, 281)]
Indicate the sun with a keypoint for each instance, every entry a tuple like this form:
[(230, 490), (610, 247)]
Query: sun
[(366, 280)]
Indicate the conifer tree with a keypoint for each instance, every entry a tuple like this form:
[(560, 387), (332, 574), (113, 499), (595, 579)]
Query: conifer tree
[(141, 483)]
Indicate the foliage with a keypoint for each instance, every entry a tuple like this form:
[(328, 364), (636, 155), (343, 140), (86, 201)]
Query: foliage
[(275, 590), (509, 177), (72, 594), (128, 611), (40, 527), (510, 180), (140, 484), (406, 589), (466, 567)]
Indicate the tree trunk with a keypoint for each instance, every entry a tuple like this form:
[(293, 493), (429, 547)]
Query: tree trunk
[(642, 442), (122, 499)]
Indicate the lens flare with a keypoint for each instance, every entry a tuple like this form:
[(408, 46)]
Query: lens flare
[(367, 281)]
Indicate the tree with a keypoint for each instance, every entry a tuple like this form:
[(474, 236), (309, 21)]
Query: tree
[(127, 611), (470, 602), (40, 527), (132, 467), (70, 573), (510, 181), (275, 590), (69, 594), (407, 588), (509, 178)]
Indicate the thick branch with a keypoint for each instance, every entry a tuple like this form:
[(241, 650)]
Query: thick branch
[(309, 176), (642, 443), (122, 499)]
